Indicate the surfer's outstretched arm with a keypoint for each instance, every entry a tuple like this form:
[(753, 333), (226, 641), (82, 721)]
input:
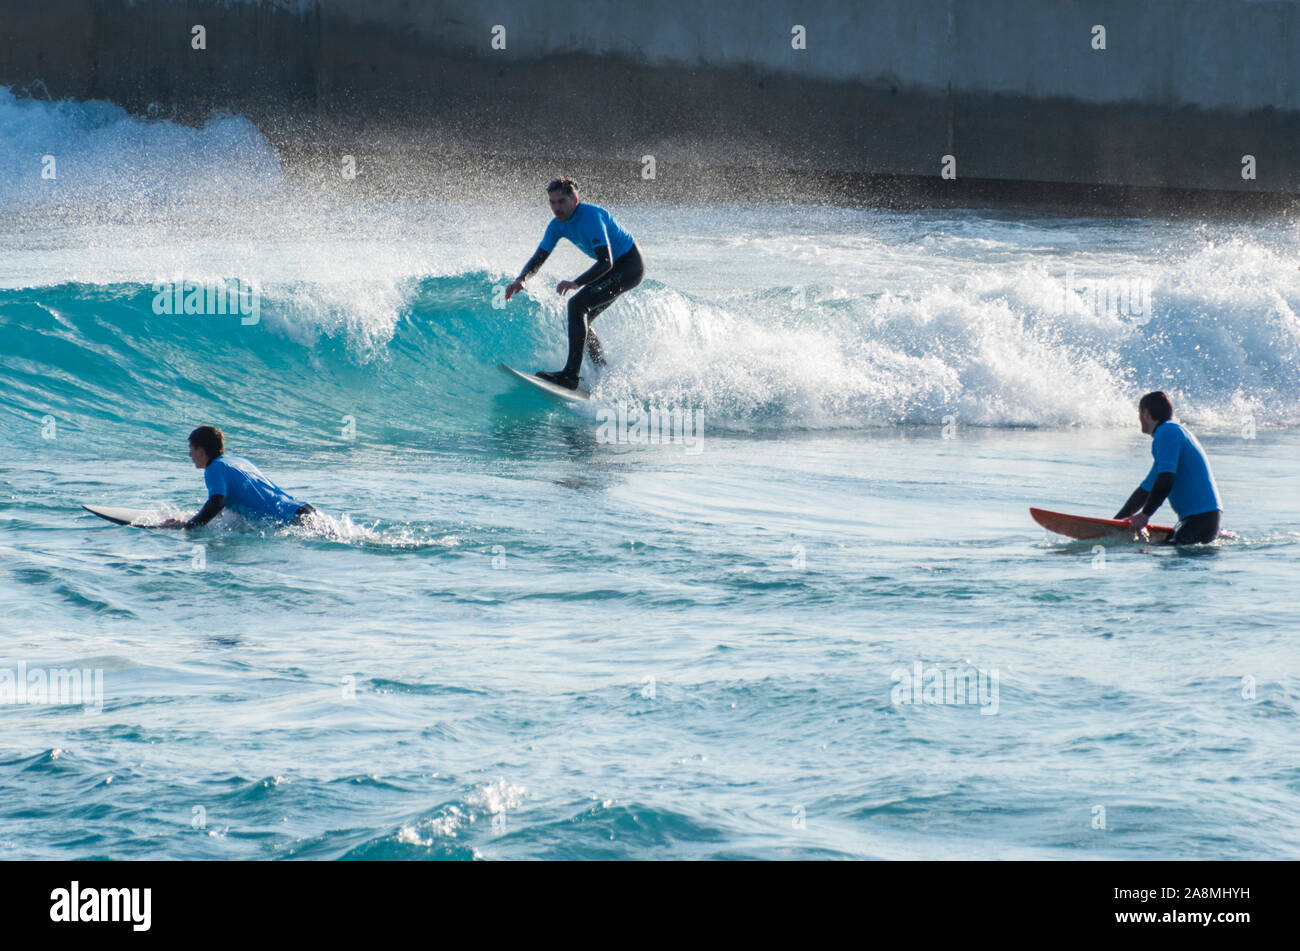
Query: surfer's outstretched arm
[(1133, 504), (211, 509), (1148, 502), (1164, 484), (532, 267)]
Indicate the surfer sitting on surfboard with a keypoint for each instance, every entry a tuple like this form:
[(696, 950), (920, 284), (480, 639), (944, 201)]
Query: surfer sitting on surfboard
[(1180, 473), (618, 268), (237, 484)]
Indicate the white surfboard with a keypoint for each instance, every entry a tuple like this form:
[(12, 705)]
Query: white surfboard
[(545, 387), (136, 518)]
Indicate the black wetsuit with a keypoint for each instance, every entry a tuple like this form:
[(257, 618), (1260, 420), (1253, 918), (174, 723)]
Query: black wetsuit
[(215, 503), (1200, 529), (1197, 529), (601, 284)]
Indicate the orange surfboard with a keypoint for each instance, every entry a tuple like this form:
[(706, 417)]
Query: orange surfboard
[(1082, 527)]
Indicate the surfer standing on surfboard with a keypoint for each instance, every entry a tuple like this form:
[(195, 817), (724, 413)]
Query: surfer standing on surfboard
[(618, 268), (1180, 473), (237, 484)]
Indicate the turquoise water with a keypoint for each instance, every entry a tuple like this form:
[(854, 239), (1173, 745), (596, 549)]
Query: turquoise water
[(513, 638)]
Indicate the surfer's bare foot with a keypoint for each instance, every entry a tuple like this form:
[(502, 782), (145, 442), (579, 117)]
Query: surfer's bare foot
[(558, 378)]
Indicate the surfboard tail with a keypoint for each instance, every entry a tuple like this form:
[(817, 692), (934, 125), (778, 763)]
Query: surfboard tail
[(545, 387)]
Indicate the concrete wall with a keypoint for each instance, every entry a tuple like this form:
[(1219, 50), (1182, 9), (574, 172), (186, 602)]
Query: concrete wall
[(1012, 88), (1229, 54)]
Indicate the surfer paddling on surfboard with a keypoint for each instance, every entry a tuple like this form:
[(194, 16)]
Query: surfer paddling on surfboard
[(1180, 473), (618, 268), (236, 484)]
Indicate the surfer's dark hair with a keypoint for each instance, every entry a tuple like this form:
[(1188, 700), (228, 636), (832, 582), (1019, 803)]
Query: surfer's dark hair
[(566, 185), (1158, 405), (210, 439)]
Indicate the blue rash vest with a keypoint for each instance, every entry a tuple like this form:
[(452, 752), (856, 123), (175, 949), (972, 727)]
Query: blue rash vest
[(1176, 450), (590, 227), (247, 491)]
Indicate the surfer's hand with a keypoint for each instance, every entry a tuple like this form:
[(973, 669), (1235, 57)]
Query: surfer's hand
[(564, 287), (1137, 521), (514, 289)]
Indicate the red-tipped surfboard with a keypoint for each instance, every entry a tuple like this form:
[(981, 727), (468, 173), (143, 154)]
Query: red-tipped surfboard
[(1084, 528)]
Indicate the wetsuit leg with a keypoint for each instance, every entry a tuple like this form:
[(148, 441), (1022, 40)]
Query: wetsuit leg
[(1197, 529), (594, 349), (587, 304)]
